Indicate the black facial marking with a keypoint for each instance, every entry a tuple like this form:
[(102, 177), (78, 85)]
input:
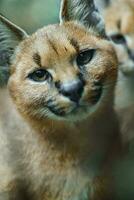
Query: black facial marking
[(80, 76), (37, 59), (65, 49), (119, 24), (57, 84), (55, 109), (97, 91), (53, 46), (96, 96), (75, 44), (49, 102)]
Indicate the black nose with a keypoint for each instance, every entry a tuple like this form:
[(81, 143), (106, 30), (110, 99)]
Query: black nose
[(73, 89)]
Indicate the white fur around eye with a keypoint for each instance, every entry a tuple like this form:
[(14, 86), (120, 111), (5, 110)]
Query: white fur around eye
[(52, 72)]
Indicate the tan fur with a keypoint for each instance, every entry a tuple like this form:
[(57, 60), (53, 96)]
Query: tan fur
[(119, 19), (11, 125), (58, 146), (63, 157)]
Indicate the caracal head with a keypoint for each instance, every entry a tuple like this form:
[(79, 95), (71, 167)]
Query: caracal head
[(65, 71)]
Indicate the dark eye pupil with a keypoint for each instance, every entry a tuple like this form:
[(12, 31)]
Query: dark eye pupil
[(118, 39), (39, 75), (85, 57)]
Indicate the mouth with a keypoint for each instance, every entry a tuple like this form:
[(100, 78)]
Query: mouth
[(57, 111), (79, 107)]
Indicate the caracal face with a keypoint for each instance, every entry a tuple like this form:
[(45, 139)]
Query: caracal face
[(62, 71), (65, 71)]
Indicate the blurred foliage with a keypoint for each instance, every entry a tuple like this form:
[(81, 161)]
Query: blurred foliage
[(30, 14)]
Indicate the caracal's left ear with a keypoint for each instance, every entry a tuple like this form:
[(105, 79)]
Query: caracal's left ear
[(84, 11), (10, 36)]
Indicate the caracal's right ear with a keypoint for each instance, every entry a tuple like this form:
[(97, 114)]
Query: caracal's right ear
[(10, 36), (84, 12)]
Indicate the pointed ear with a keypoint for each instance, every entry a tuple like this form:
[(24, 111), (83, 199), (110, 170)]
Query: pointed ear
[(84, 11), (10, 36)]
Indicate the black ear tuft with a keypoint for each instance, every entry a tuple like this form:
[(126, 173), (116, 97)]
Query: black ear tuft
[(10, 36)]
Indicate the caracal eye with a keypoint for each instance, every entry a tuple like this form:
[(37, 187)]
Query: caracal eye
[(39, 75), (85, 56), (118, 38)]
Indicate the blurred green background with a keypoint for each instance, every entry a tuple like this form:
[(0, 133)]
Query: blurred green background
[(31, 14)]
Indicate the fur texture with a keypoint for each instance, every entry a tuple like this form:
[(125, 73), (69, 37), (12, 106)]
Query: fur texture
[(64, 149)]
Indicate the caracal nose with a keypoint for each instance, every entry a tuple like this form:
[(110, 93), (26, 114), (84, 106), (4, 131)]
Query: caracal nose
[(73, 89)]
